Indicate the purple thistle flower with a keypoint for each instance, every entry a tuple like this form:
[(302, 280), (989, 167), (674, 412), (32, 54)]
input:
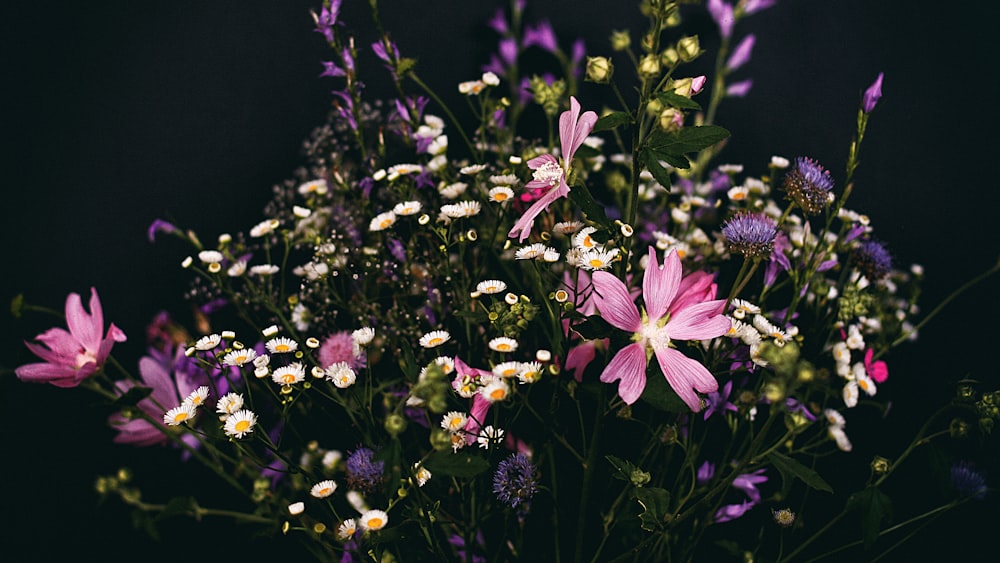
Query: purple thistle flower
[(741, 53), (967, 481), (362, 471), (750, 234), (872, 259), (809, 185), (739, 89), (514, 481), (872, 95)]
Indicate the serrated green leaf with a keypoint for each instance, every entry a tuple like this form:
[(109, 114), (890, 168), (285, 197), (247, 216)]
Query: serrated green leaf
[(612, 121), (622, 469), (456, 464), (875, 507), (790, 468), (687, 139), (656, 504), (659, 172), (674, 99)]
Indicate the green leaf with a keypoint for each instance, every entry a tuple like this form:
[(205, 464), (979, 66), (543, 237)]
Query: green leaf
[(581, 196), (659, 394), (659, 172), (456, 464), (687, 139), (180, 506), (656, 504), (875, 507), (622, 469), (594, 328), (789, 468), (612, 121), (671, 98)]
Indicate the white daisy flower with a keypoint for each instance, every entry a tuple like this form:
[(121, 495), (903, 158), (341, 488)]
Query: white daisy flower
[(472, 169), (229, 403), (210, 256), (179, 415), (331, 458), (363, 336), (347, 529), (504, 180), (264, 270), (489, 435), (373, 519), (582, 239), (454, 421), (197, 397), (240, 423), (237, 269), (264, 228), (779, 162), (531, 252), (382, 221), (451, 191), (407, 208), (421, 474), (496, 390), (313, 187), (471, 87), (742, 308), (501, 194), (850, 393), (281, 345), (434, 338), (239, 357), (461, 209), (598, 259), (503, 344), (567, 228), (405, 169), (209, 342), (323, 489), (840, 437), (490, 287), (296, 508), (341, 375), (262, 360), (290, 374), (530, 372), (507, 369)]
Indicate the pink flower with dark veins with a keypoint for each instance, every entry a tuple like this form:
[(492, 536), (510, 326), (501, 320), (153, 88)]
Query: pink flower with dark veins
[(676, 309), (74, 355)]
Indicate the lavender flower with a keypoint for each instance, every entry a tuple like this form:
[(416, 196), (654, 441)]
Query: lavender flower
[(750, 234), (741, 53), (967, 481), (362, 471), (873, 94), (872, 259), (514, 481), (809, 184)]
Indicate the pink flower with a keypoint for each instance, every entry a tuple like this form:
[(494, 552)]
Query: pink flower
[(877, 370), (676, 309), (139, 431), (548, 172), (70, 357), (339, 347)]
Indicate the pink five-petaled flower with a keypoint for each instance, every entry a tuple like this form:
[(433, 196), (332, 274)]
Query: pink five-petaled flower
[(676, 309), (548, 172), (70, 357)]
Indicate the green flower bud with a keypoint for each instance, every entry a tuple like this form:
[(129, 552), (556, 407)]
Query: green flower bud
[(599, 69), (689, 48), (395, 424), (440, 439), (639, 477), (671, 119), (620, 40), (649, 66), (670, 57)]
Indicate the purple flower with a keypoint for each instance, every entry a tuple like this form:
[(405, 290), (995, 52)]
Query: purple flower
[(967, 481), (732, 511), (327, 18), (514, 481), (753, 6), (549, 174), (809, 185), (160, 226), (741, 53), (339, 347), (363, 472), (779, 259), (739, 89), (747, 482), (719, 401), (74, 355), (750, 234), (722, 14), (331, 69), (498, 22), (873, 94), (705, 472), (541, 35), (138, 431), (872, 259)]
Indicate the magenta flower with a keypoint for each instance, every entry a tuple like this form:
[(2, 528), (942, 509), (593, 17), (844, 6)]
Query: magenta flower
[(70, 357), (548, 172), (877, 370), (139, 431), (873, 94), (676, 309)]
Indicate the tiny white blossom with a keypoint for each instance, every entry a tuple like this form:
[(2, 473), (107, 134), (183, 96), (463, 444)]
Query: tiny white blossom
[(240, 423)]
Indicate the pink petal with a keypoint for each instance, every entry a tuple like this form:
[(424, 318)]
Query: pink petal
[(615, 303), (699, 322), (59, 375), (629, 366), (686, 376), (522, 228), (480, 406), (579, 357), (694, 288), (542, 160), (659, 285), (86, 328), (574, 128)]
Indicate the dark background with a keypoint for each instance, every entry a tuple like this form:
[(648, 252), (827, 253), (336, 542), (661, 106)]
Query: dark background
[(117, 113)]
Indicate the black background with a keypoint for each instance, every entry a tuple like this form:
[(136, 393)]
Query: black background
[(118, 113)]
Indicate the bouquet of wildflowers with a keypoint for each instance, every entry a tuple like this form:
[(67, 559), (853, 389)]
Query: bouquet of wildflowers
[(537, 326)]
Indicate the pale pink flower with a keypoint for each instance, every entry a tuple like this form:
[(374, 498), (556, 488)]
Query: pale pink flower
[(70, 357), (676, 309), (549, 173)]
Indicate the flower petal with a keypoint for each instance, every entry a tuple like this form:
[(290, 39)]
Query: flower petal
[(522, 228), (614, 302), (629, 366), (574, 128), (686, 376), (659, 285), (699, 322), (85, 327)]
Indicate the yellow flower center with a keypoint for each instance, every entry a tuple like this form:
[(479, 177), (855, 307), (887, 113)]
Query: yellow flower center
[(242, 425)]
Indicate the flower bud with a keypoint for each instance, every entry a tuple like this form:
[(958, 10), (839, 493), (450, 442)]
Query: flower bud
[(649, 66), (395, 424), (599, 69), (671, 119), (872, 95), (689, 48), (880, 465), (670, 56), (620, 40)]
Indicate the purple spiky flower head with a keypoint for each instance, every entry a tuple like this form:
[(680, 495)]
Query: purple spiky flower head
[(809, 185), (514, 481), (872, 259), (967, 481), (751, 234), (363, 472)]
